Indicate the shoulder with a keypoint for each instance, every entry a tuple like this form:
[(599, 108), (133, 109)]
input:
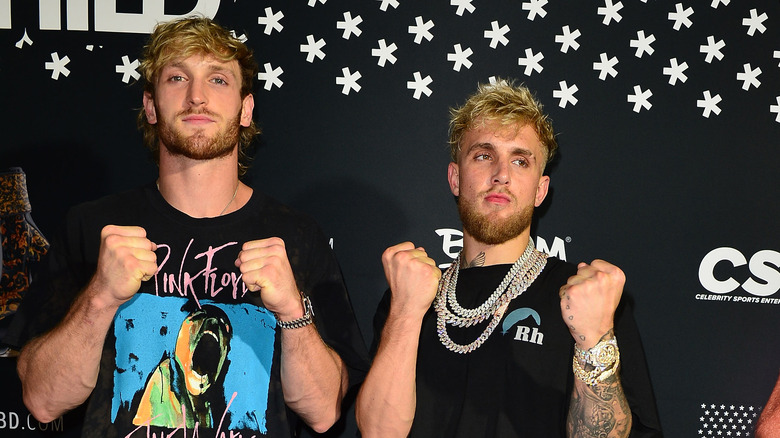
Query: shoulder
[(272, 207), (117, 204), (557, 271)]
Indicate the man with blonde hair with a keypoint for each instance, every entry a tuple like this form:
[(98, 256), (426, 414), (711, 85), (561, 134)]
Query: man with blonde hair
[(189, 304), (508, 342)]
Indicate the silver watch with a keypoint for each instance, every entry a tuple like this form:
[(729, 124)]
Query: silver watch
[(303, 321)]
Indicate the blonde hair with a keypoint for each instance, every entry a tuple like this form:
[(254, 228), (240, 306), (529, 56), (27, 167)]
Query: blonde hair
[(507, 104), (182, 38)]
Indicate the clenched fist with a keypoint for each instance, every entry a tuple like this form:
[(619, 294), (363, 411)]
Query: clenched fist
[(589, 299), (126, 258), (413, 277), (264, 267)]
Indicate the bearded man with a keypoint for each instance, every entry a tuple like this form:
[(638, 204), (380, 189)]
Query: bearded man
[(134, 267), (508, 342)]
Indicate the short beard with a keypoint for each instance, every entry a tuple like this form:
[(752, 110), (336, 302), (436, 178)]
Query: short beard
[(489, 231), (197, 146)]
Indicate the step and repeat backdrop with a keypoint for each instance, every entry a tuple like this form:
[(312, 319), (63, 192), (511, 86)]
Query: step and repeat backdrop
[(668, 116)]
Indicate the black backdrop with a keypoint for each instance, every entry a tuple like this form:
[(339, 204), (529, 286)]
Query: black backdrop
[(668, 117)]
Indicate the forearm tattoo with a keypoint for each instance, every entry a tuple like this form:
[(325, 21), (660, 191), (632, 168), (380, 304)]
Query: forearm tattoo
[(600, 410)]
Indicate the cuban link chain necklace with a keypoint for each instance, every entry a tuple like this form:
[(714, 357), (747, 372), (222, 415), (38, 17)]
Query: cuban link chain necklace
[(448, 311)]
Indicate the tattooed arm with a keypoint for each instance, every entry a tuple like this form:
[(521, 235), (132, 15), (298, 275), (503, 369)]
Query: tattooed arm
[(599, 407), (600, 410)]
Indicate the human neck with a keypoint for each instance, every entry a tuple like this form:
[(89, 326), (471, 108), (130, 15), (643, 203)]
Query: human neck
[(203, 189), (503, 253)]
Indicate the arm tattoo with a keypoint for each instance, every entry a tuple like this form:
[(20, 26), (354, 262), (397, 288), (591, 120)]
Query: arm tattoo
[(600, 410)]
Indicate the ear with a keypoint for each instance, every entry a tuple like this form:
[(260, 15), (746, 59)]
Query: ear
[(541, 190), (151, 112), (453, 176), (247, 106)]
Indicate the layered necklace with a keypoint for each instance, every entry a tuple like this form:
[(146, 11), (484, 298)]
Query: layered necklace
[(448, 311)]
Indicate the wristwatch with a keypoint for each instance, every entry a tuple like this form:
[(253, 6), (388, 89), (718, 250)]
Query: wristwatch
[(303, 321), (602, 355), (595, 365)]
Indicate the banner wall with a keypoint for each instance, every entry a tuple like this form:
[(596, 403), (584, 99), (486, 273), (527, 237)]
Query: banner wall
[(668, 120)]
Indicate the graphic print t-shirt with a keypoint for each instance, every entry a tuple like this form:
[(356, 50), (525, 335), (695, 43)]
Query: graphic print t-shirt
[(194, 353)]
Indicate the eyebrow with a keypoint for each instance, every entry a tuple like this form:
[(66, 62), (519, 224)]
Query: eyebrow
[(491, 147), (214, 68)]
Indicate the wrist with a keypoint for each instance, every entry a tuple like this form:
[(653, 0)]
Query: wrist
[(294, 309), (597, 364), (301, 317)]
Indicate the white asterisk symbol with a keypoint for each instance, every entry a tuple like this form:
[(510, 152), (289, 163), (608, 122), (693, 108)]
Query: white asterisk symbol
[(715, 3), (57, 66), (710, 104), (643, 44), (348, 81), (313, 48), (25, 39), (421, 29), (384, 53), (460, 57), (531, 62), (385, 3), (606, 66), (610, 12), (681, 16), (312, 3), (128, 69), (497, 34), (463, 5), (755, 22), (776, 109), (350, 25), (270, 76), (749, 77), (676, 71), (640, 99), (420, 85), (568, 39), (712, 49), (271, 20), (566, 94), (243, 38), (534, 8)]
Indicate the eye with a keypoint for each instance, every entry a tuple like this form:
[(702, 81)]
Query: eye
[(482, 156), (219, 81), (522, 162)]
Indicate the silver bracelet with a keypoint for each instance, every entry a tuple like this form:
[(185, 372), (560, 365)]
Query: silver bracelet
[(303, 321)]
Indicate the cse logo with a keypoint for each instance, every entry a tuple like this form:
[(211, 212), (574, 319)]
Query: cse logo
[(764, 266)]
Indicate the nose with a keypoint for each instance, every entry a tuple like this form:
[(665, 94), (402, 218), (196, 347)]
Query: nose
[(196, 94), (501, 173)]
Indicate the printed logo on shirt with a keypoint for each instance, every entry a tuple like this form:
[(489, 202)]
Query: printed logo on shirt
[(195, 367), (523, 333)]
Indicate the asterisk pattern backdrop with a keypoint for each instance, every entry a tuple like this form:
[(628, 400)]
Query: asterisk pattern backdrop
[(668, 120)]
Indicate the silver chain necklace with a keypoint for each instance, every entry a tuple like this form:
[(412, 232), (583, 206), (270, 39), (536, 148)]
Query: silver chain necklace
[(448, 311)]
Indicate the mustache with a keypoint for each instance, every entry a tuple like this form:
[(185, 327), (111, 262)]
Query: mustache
[(196, 112)]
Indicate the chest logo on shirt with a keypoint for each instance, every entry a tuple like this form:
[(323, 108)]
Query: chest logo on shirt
[(524, 333)]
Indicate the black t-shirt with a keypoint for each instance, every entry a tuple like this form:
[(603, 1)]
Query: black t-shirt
[(194, 349), (519, 382)]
